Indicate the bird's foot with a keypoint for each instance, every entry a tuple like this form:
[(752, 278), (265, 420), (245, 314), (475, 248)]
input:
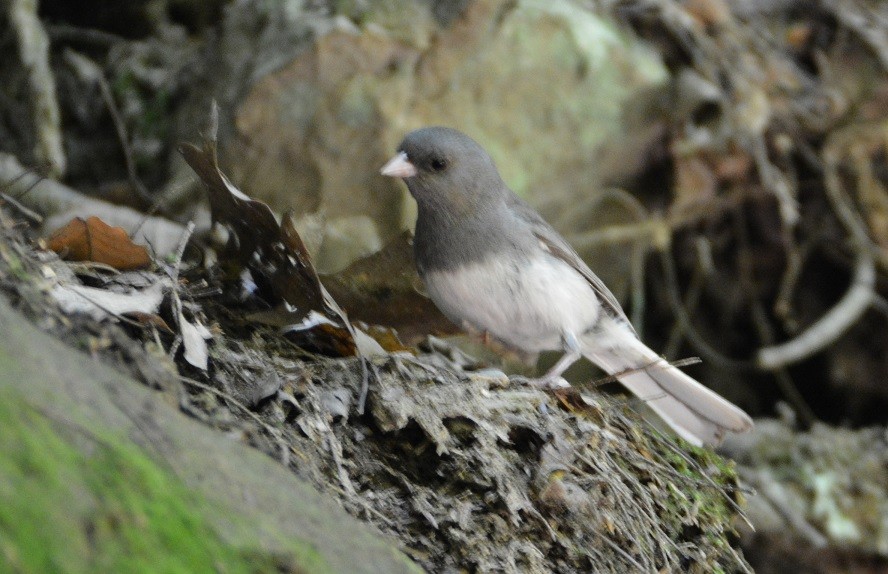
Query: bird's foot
[(546, 383)]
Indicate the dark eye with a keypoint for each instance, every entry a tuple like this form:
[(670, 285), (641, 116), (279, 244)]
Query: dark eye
[(438, 164)]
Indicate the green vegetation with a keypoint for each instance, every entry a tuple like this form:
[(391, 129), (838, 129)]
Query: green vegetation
[(72, 500)]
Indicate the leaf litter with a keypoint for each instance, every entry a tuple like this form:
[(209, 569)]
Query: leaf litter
[(469, 471)]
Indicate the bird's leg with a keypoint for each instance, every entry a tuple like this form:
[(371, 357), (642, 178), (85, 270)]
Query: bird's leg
[(552, 379), (571, 355)]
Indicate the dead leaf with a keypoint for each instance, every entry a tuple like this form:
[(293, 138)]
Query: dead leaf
[(95, 240), (321, 334), (386, 337), (150, 320), (275, 256), (194, 342), (384, 289), (102, 304)]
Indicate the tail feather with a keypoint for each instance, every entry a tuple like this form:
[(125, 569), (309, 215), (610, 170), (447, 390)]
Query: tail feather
[(696, 413)]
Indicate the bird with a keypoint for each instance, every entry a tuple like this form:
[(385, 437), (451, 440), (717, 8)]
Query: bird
[(494, 266)]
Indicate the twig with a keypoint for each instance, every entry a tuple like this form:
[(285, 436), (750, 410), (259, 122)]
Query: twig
[(66, 33), (832, 325), (659, 364), (694, 337), (691, 299), (760, 320), (33, 46), (89, 71), (179, 253), (174, 346), (336, 452), (175, 301), (32, 215), (856, 300), (795, 262), (38, 178), (654, 229), (775, 181)]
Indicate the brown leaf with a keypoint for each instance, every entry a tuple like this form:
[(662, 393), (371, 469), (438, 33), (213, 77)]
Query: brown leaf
[(150, 320), (275, 256), (95, 240), (323, 335), (384, 289), (251, 222), (256, 232), (386, 337), (572, 400)]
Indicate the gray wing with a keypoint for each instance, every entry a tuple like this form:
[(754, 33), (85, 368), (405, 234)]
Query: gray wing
[(561, 249)]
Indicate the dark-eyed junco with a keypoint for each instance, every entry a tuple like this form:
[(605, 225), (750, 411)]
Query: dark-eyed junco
[(492, 265)]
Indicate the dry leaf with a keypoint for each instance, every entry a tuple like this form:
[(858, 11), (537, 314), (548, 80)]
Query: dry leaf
[(383, 289), (194, 341), (102, 304), (274, 255), (95, 240), (150, 320)]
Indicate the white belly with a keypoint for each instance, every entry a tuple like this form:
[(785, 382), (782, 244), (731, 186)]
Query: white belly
[(528, 308)]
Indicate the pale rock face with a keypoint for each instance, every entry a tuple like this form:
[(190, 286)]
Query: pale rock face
[(541, 85)]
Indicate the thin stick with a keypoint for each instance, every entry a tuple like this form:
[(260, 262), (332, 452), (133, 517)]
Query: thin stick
[(856, 300), (659, 364), (695, 338), (32, 215)]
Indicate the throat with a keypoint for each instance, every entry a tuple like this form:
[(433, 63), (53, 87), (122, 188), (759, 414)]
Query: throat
[(444, 242)]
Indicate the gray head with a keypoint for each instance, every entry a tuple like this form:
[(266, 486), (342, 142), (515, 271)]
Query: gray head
[(446, 169), (463, 203)]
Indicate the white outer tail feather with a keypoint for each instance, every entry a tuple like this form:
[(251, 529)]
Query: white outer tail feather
[(694, 412)]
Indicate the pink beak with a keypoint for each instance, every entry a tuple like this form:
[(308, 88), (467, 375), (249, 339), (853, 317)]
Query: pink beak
[(399, 166)]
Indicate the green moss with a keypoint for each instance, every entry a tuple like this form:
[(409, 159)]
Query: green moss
[(713, 512), (13, 263), (72, 500)]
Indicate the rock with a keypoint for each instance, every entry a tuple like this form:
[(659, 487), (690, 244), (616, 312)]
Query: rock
[(540, 85), (98, 461)]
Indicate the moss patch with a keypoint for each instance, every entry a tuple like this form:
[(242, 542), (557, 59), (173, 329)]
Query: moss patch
[(75, 501)]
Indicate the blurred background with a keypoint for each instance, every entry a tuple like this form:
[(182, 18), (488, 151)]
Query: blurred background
[(723, 166)]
